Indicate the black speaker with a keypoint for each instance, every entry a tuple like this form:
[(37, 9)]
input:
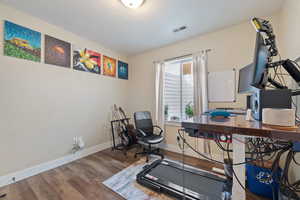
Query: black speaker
[(269, 99)]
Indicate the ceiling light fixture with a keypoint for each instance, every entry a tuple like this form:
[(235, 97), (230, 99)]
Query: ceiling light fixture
[(132, 3)]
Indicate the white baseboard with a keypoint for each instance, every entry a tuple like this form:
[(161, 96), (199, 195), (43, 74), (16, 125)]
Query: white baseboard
[(189, 152), (26, 173)]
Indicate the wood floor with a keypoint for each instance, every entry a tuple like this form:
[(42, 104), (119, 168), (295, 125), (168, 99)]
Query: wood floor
[(82, 179)]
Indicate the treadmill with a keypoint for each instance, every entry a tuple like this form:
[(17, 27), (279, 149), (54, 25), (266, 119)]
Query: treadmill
[(184, 182)]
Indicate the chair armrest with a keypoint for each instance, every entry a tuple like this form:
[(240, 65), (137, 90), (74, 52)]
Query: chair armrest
[(141, 132), (160, 129)]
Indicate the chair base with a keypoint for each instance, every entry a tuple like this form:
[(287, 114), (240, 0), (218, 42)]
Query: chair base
[(149, 151)]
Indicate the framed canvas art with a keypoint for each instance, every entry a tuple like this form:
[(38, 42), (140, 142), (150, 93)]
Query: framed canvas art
[(109, 66), (21, 42), (86, 60), (122, 70), (57, 52)]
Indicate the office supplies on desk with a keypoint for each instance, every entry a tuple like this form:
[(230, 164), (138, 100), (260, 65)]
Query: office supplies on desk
[(231, 111), (219, 113), (249, 115), (236, 111)]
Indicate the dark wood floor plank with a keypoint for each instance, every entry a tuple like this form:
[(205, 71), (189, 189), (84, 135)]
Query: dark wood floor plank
[(42, 189), (14, 193), (102, 172), (107, 164), (25, 191), (83, 187), (85, 171), (119, 156), (4, 190), (60, 184), (86, 180)]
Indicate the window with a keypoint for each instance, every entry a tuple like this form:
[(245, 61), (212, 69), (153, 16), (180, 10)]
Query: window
[(178, 91)]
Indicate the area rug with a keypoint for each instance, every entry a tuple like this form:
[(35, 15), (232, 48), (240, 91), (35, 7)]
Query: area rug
[(124, 183)]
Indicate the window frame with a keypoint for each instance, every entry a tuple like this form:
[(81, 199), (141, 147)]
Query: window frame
[(182, 61)]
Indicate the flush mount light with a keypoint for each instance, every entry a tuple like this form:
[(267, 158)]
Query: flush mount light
[(132, 3)]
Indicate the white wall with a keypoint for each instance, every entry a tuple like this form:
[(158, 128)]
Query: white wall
[(290, 29), (42, 107), (290, 47), (232, 47)]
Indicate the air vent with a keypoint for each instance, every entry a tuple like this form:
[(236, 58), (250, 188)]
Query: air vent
[(179, 29)]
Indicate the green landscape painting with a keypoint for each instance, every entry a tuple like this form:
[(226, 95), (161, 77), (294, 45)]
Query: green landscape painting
[(21, 42)]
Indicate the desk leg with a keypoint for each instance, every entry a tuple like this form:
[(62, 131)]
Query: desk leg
[(238, 144)]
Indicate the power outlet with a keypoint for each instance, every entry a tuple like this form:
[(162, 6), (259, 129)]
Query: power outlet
[(78, 144)]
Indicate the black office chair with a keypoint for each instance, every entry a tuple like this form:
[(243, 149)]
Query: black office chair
[(147, 134)]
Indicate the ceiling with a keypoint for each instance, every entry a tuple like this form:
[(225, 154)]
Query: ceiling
[(132, 31)]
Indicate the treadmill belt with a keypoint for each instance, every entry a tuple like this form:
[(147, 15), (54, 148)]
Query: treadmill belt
[(199, 184)]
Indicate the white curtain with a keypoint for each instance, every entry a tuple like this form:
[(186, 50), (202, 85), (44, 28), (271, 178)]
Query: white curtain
[(200, 83), (159, 94), (200, 74)]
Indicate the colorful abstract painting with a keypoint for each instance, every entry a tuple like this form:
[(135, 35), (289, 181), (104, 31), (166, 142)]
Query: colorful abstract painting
[(122, 70), (109, 66), (21, 42), (86, 60), (57, 52)]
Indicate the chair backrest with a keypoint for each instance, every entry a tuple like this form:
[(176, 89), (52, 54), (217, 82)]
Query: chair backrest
[(144, 122)]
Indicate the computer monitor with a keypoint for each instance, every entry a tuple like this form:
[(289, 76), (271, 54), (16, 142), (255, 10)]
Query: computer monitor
[(245, 79), (261, 59)]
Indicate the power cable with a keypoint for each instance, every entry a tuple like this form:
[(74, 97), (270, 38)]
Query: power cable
[(206, 157), (234, 174)]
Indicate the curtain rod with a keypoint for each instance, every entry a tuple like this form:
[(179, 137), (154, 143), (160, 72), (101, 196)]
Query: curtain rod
[(183, 56)]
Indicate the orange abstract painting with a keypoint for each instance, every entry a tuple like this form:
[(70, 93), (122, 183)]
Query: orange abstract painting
[(109, 66)]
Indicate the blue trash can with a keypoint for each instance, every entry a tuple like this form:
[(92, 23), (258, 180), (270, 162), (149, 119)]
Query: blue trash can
[(260, 182)]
